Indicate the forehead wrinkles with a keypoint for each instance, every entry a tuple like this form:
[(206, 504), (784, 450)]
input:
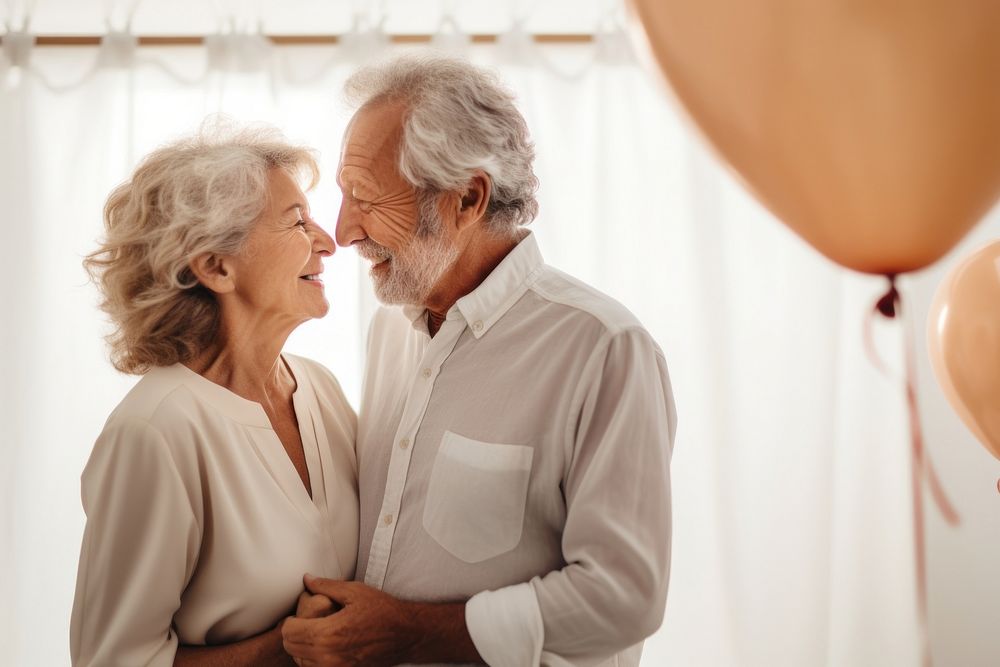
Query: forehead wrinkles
[(371, 147), (370, 143)]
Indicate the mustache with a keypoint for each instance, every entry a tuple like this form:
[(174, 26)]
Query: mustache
[(372, 251)]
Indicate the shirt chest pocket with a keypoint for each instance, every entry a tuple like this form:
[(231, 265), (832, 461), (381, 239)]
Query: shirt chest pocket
[(476, 497)]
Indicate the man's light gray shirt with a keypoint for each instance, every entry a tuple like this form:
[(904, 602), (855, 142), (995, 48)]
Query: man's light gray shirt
[(521, 458)]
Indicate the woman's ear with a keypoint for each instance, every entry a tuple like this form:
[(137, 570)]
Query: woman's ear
[(214, 272), (475, 200)]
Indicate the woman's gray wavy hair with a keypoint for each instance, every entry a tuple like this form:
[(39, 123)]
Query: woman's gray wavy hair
[(198, 195), (459, 118)]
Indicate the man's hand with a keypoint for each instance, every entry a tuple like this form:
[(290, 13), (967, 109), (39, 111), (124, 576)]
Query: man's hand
[(373, 628), (370, 629)]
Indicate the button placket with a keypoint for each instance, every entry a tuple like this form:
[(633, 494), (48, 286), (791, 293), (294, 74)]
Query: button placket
[(399, 461)]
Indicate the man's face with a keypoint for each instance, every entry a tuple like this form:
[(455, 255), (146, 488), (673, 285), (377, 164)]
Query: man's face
[(382, 215)]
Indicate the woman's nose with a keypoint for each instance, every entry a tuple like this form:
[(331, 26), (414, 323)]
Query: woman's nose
[(323, 243)]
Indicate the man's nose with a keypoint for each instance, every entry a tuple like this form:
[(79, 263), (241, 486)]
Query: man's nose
[(349, 228)]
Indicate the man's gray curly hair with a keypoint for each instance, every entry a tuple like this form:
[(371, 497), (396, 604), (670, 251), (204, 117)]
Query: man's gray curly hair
[(458, 118)]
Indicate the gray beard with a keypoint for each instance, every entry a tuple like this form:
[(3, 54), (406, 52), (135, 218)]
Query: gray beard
[(416, 270), (414, 273)]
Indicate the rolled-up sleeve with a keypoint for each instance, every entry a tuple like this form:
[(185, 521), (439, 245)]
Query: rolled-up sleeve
[(616, 541), (139, 549)]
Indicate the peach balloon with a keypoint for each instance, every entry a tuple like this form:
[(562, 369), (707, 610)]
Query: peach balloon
[(963, 337), (868, 126)]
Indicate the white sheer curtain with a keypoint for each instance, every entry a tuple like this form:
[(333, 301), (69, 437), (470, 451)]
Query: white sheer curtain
[(792, 515)]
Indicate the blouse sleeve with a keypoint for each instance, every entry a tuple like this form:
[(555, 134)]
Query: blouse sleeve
[(139, 550)]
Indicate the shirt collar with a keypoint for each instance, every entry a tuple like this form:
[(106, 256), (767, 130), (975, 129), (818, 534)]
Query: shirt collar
[(485, 305), (415, 315)]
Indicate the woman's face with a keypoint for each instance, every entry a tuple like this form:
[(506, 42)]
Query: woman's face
[(278, 271)]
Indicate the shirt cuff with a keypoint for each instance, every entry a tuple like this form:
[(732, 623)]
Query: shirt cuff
[(506, 626)]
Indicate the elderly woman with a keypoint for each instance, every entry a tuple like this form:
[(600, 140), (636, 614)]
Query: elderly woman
[(229, 470)]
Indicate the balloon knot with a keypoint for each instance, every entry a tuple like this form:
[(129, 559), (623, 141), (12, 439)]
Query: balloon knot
[(889, 302)]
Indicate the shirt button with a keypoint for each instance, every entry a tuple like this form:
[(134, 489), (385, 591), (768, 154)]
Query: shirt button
[(477, 325), (387, 519), (404, 443), (426, 372)]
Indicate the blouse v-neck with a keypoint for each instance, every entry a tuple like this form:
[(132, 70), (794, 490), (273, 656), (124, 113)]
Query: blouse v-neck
[(268, 444)]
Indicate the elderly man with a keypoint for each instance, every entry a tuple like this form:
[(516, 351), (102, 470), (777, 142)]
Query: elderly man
[(516, 425)]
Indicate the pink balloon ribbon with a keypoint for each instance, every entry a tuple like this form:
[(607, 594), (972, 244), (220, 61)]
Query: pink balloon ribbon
[(890, 306)]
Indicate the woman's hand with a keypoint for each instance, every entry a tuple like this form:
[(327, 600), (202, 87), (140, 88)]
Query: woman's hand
[(314, 606), (263, 650)]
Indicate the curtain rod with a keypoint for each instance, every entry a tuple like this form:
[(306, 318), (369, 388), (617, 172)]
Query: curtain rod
[(296, 40)]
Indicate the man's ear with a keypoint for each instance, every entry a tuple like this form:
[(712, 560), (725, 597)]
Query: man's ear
[(474, 201), (214, 272)]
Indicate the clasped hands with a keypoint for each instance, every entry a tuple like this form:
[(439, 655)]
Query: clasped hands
[(348, 623)]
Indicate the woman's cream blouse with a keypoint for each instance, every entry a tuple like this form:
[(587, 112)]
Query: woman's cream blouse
[(199, 528)]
